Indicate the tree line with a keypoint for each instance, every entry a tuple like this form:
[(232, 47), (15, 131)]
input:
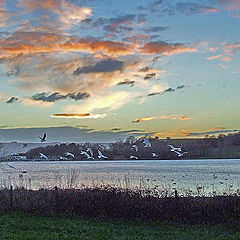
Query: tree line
[(222, 146)]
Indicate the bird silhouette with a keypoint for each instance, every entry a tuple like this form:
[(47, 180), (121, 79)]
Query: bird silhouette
[(86, 154), (173, 149), (90, 151), (100, 155), (68, 154), (135, 147), (146, 143), (43, 156), (154, 155), (24, 145), (180, 154), (43, 139)]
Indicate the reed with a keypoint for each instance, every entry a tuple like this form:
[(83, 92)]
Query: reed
[(109, 203)]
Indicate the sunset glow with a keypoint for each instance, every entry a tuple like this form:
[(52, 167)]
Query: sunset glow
[(156, 68)]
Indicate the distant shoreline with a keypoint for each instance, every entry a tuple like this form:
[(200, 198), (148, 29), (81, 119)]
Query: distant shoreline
[(115, 160)]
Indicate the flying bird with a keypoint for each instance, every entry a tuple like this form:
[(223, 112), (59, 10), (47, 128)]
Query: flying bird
[(147, 143), (135, 147), (43, 156), (154, 155), (173, 149), (100, 155), (180, 154), (86, 154), (10, 166), (68, 154), (43, 139), (90, 151), (24, 145)]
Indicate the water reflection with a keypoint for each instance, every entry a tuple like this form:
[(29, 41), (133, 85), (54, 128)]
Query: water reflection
[(201, 176)]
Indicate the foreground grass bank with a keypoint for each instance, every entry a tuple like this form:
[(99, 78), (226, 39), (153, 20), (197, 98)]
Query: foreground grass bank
[(24, 226)]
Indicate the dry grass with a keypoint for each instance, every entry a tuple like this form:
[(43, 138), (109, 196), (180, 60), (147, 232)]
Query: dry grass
[(111, 203)]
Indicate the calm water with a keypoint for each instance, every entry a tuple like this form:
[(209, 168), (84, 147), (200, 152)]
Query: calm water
[(211, 175)]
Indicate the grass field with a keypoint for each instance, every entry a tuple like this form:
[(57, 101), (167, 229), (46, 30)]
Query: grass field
[(26, 227)]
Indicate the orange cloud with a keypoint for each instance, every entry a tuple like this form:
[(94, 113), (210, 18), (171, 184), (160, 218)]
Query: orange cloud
[(36, 42), (176, 133), (231, 48), (212, 49), (233, 45), (210, 10), (25, 43), (166, 48), (29, 43), (143, 119), (109, 48), (164, 117), (230, 4), (184, 118), (172, 117), (78, 115), (45, 4), (216, 129), (227, 59), (214, 57)]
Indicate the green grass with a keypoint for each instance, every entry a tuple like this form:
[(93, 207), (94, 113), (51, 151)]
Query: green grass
[(27, 227)]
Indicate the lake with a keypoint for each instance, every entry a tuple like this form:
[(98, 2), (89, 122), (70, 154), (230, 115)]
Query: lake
[(219, 175)]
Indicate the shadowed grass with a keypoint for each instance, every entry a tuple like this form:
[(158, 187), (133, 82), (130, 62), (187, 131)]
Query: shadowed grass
[(29, 227)]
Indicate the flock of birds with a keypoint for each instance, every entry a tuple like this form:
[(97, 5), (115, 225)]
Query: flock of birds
[(147, 144), (90, 155)]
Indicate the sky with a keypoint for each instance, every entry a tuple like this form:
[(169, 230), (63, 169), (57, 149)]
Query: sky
[(103, 70)]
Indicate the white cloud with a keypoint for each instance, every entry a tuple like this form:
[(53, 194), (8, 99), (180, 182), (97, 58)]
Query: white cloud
[(110, 101)]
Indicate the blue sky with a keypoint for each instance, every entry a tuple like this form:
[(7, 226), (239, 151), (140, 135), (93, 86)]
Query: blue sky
[(110, 69)]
